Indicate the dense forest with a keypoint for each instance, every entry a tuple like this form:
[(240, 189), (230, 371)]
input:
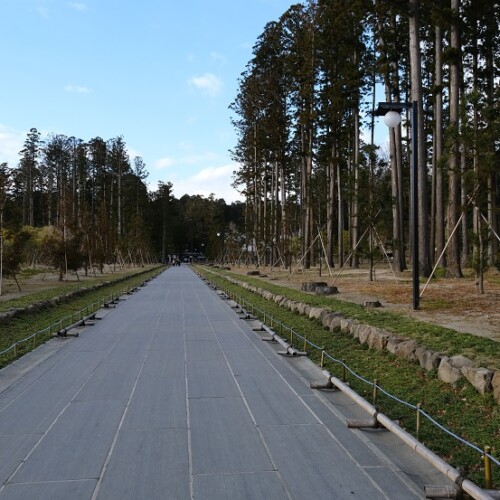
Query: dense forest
[(76, 205), (316, 183)]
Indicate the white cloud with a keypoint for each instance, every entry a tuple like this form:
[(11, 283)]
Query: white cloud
[(218, 58), (208, 83), (216, 180), (186, 146), (81, 7), (78, 89), (11, 142), (132, 153), (212, 174), (43, 12), (163, 163), (198, 158), (189, 156)]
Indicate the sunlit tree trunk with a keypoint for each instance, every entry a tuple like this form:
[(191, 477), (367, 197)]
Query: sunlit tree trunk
[(453, 252)]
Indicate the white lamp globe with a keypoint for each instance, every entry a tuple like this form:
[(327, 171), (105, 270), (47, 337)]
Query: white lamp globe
[(392, 119)]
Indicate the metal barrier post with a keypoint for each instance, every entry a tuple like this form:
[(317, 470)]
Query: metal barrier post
[(305, 344), (322, 363), (344, 374), (15, 350)]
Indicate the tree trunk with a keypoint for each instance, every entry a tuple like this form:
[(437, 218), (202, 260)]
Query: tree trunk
[(463, 202), (453, 252), (425, 266), (285, 237), (330, 226), (438, 221), (340, 218), (305, 196), (276, 215), (354, 216), (395, 140)]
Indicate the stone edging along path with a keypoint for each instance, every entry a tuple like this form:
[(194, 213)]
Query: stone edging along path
[(449, 369)]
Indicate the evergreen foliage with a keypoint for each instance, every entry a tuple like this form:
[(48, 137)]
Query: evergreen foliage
[(305, 125)]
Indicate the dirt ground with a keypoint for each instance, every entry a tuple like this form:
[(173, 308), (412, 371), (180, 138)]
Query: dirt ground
[(453, 303)]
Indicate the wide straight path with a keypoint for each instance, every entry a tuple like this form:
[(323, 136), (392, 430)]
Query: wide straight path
[(172, 396)]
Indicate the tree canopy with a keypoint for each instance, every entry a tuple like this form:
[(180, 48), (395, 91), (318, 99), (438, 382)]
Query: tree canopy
[(304, 116)]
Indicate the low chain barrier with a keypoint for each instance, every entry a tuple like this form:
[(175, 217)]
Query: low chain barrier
[(298, 339)]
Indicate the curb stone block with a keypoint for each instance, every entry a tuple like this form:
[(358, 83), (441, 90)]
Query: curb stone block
[(461, 362), (354, 329), (406, 349), (480, 378), (301, 308), (429, 360), (364, 332), (316, 313), (345, 325), (447, 372), (378, 339), (327, 319), (335, 324), (392, 343)]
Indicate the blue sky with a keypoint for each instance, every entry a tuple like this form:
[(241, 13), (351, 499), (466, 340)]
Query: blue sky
[(160, 73)]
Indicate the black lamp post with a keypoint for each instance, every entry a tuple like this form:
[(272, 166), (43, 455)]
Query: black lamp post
[(391, 111)]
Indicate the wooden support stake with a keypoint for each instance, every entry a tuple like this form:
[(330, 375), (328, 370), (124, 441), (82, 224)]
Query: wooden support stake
[(375, 393), (487, 468), (419, 420)]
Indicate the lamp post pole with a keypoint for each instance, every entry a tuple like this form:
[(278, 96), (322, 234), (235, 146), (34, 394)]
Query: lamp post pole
[(390, 111)]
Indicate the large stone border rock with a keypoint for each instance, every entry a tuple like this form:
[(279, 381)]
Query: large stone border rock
[(449, 369)]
